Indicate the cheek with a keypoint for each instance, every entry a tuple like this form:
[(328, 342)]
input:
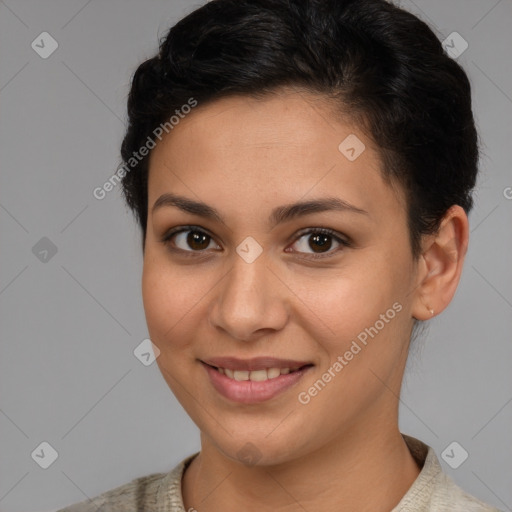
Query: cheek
[(362, 318), (171, 298), (363, 338), (347, 302)]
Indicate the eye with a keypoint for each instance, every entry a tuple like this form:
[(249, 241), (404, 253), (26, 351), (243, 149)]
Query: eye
[(188, 239), (320, 241), (191, 240)]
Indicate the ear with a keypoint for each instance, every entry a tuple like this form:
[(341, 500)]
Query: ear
[(440, 264)]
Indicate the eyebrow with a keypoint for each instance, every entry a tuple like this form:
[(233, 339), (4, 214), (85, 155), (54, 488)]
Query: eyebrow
[(278, 215)]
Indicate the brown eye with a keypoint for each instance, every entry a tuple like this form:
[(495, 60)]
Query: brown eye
[(190, 240), (319, 242), (197, 240)]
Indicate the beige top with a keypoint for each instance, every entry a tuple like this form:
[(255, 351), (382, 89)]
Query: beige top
[(432, 491)]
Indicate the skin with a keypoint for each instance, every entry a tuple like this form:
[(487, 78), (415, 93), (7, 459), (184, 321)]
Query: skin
[(245, 157)]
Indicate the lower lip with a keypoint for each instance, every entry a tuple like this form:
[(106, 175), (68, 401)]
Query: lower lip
[(252, 392)]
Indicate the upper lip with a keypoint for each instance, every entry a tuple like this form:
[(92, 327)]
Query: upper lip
[(256, 363)]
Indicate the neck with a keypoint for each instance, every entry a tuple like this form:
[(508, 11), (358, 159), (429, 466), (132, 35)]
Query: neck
[(366, 469)]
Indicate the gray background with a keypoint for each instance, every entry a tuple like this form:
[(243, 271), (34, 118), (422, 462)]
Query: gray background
[(69, 325)]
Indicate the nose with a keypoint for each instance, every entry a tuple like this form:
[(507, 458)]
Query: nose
[(251, 301)]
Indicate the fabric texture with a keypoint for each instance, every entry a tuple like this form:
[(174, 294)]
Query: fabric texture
[(432, 491)]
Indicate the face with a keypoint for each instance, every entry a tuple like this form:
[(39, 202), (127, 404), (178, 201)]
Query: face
[(248, 283)]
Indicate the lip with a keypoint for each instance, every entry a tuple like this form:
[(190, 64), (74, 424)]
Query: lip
[(256, 363), (252, 392)]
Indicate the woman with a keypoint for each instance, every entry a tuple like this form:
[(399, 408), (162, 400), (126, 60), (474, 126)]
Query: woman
[(302, 172)]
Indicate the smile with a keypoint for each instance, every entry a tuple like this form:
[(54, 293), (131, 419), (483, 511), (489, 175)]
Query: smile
[(251, 382), (255, 375)]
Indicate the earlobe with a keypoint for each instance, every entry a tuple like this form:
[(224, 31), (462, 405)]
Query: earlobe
[(441, 264)]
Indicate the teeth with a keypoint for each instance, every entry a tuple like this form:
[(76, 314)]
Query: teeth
[(256, 375), (241, 375), (273, 373)]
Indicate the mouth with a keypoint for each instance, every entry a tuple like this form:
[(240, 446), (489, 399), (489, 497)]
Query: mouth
[(256, 380), (257, 375)]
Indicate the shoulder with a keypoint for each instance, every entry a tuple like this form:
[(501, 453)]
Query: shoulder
[(434, 490), (449, 496), (139, 494), (157, 492)]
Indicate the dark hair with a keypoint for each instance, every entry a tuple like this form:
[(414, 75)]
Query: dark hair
[(377, 62)]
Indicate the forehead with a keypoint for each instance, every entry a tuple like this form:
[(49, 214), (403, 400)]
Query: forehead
[(283, 147)]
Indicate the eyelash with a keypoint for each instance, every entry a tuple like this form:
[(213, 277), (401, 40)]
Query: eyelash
[(166, 240)]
